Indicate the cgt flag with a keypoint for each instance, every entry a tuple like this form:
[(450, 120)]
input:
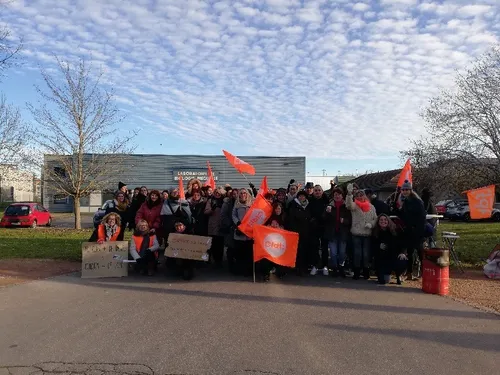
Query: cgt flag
[(481, 202), (260, 211), (405, 174), (240, 165), (211, 180), (277, 245)]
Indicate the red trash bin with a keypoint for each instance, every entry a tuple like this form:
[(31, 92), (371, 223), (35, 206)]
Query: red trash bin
[(436, 271)]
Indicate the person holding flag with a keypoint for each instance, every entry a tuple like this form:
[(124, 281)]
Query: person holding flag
[(243, 253)]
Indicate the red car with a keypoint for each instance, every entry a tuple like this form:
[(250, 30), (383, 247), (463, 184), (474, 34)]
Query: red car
[(26, 214)]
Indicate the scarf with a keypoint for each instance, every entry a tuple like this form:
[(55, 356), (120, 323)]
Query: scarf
[(303, 205), (110, 230), (364, 206), (337, 214), (121, 206)]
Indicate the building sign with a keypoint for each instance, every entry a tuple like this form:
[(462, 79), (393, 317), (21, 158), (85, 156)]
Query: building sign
[(189, 173)]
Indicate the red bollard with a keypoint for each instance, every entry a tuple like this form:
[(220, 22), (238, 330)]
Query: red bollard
[(436, 271)]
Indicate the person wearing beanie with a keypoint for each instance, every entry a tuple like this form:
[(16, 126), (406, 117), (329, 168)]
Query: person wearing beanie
[(122, 187), (309, 189), (364, 219), (337, 220), (413, 215), (298, 219)]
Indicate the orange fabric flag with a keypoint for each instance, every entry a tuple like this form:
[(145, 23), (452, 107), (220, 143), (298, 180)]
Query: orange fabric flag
[(481, 202), (240, 165), (264, 188), (260, 211), (405, 174), (277, 245), (211, 180), (181, 188)]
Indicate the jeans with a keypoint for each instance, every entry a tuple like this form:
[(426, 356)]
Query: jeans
[(337, 252), (361, 246)]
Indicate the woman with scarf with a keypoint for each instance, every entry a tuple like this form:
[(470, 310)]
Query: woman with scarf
[(144, 248), (364, 219), (389, 255), (109, 229), (337, 220), (213, 209), (243, 245), (298, 219), (120, 207), (197, 206), (150, 211)]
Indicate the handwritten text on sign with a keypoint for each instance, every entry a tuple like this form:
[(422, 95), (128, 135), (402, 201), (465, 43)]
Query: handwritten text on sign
[(187, 246), (104, 260)]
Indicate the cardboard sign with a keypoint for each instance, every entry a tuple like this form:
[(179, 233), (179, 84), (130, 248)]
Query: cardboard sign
[(187, 246), (104, 260)]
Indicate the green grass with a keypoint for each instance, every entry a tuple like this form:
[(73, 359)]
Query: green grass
[(476, 241)]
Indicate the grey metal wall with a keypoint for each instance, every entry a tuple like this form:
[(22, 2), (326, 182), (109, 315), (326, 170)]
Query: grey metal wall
[(156, 172)]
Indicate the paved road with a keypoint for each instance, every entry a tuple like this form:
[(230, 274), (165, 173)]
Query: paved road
[(68, 221), (215, 325)]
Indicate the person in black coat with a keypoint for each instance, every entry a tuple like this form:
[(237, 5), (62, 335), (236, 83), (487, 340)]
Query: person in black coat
[(317, 204), (298, 220), (389, 254), (413, 215), (380, 206)]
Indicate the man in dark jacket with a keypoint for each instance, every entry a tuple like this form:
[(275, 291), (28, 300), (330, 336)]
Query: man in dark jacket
[(317, 203)]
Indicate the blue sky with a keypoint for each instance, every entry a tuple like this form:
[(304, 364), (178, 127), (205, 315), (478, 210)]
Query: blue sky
[(340, 82)]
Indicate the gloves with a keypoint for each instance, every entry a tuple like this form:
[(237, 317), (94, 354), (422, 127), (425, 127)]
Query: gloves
[(368, 226), (402, 257), (350, 188), (383, 246)]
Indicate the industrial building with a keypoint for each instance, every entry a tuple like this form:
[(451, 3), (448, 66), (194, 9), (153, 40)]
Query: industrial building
[(162, 171)]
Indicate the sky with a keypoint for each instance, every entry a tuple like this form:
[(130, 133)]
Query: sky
[(340, 82)]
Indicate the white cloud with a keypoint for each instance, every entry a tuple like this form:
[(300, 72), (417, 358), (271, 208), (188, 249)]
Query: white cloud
[(210, 73)]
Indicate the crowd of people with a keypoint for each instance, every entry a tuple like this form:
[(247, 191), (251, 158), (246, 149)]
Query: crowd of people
[(345, 231)]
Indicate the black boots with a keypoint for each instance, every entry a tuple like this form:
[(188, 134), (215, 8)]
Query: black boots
[(366, 273), (356, 274)]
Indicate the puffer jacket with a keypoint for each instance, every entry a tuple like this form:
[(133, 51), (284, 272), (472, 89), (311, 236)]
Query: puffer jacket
[(151, 213), (213, 210), (360, 218)]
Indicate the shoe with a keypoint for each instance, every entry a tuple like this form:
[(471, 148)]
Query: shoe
[(356, 274), (325, 271), (314, 271), (366, 274), (266, 278), (398, 280)]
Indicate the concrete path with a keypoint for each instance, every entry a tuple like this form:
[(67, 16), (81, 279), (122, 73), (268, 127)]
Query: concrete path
[(216, 325)]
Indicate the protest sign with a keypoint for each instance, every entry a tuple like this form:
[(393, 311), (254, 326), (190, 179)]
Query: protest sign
[(187, 246), (104, 260)]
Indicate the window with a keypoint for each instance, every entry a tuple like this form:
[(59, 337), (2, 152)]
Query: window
[(60, 199), (59, 171)]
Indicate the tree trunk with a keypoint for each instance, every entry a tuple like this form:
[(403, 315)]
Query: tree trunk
[(76, 211)]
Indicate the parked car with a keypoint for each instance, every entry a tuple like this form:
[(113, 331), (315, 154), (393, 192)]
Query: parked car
[(442, 205), (455, 207), (99, 214), (26, 214), (462, 213)]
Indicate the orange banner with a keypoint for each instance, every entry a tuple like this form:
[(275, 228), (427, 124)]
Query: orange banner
[(264, 188), (240, 165), (481, 202), (181, 188), (260, 211), (277, 245), (211, 180), (405, 174)]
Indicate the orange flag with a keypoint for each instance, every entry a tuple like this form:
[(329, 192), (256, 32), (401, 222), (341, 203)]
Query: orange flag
[(211, 180), (240, 165), (481, 202), (405, 174), (264, 188), (260, 211), (181, 188), (277, 245)]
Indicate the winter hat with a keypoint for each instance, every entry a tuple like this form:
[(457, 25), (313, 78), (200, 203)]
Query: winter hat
[(228, 187), (302, 192), (406, 185), (120, 185), (309, 185)]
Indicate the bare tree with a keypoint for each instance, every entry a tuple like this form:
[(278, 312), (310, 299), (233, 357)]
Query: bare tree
[(463, 146), (77, 129), (9, 49), (13, 133)]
